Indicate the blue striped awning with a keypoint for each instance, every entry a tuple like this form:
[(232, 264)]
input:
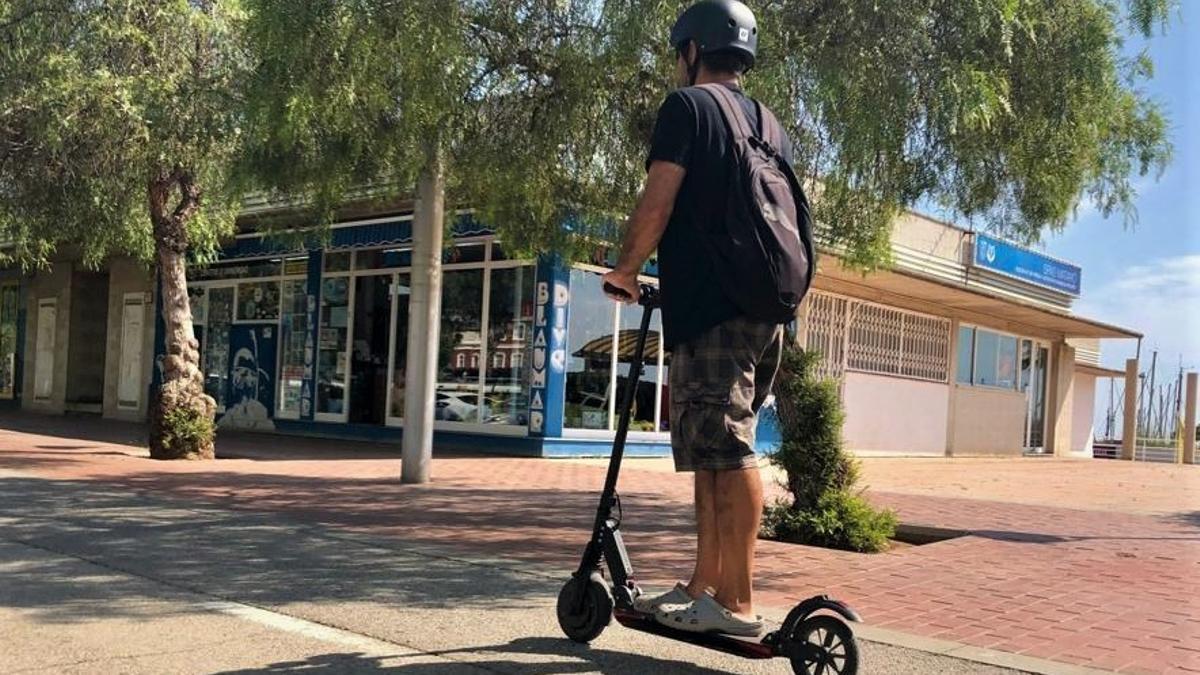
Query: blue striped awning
[(367, 235)]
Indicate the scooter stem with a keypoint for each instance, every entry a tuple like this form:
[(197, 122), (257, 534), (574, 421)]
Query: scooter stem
[(649, 300)]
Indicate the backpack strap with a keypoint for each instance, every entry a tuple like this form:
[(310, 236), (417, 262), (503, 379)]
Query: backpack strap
[(735, 117), (772, 133)]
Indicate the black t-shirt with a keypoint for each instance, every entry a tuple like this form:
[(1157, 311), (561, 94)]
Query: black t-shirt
[(691, 132)]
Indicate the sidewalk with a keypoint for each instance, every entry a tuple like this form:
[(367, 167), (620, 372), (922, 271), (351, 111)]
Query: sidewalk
[(1089, 585)]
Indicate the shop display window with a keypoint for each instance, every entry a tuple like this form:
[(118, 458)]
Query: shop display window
[(258, 301), (510, 321), (592, 393), (333, 329), (458, 395), (293, 326)]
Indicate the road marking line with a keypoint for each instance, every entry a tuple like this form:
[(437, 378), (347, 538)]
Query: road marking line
[(369, 646)]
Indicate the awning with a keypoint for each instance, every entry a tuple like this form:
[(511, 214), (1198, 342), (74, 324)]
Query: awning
[(1097, 371), (601, 347), (390, 232), (904, 289)]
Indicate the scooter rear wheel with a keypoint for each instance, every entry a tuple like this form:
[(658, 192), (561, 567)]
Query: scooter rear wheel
[(584, 613), (829, 645)]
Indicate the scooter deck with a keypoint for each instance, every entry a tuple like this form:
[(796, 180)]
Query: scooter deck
[(744, 647)]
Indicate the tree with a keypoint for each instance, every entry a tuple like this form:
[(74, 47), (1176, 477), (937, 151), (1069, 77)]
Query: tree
[(537, 115), (822, 506), (526, 111), (1004, 111), (118, 128)]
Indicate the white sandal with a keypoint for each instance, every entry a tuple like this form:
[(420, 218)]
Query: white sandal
[(676, 596), (706, 615)]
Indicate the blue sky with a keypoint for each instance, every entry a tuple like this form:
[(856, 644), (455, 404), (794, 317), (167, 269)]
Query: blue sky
[(1147, 276)]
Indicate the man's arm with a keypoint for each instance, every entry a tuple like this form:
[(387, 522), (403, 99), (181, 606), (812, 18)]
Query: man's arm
[(646, 226)]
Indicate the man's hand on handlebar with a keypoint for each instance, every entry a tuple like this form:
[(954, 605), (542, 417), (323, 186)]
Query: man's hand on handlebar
[(626, 283)]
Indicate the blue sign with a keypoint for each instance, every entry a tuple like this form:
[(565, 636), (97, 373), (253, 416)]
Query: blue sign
[(1021, 263)]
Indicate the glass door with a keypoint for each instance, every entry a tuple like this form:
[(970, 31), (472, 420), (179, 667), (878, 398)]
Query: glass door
[(218, 316), (1034, 359), (369, 352), (400, 292)]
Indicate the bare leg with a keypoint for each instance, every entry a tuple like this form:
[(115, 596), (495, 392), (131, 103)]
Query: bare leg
[(708, 550), (739, 499)]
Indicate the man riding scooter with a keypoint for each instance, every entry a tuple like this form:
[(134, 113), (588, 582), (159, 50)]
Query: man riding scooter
[(723, 359)]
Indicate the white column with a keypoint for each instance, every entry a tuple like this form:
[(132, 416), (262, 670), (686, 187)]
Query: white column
[(425, 303)]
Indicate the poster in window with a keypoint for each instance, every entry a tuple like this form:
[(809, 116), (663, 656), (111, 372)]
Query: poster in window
[(258, 301)]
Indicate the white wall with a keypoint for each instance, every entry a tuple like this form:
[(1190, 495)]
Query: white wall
[(988, 421), (1083, 414), (892, 415)]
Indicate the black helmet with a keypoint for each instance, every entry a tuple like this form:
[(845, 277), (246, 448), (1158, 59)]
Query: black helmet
[(718, 25)]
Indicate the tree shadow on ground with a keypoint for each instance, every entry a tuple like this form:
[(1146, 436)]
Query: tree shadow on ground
[(235, 550), (584, 659)]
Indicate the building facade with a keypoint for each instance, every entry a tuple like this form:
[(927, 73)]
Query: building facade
[(965, 346)]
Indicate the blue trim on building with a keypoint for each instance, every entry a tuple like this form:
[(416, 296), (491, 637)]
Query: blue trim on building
[(308, 392), (548, 372)]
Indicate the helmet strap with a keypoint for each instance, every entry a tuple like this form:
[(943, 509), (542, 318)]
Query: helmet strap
[(693, 67)]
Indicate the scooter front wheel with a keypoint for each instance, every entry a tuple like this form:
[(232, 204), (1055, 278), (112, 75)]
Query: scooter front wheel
[(824, 645), (585, 607)]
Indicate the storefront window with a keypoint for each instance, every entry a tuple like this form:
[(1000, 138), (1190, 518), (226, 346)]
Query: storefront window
[(216, 343), (464, 253), (986, 358), (589, 367), (458, 395), (258, 301), (987, 344), (382, 258), (510, 318), (400, 295), (966, 352), (230, 271), (337, 261), (9, 303), (292, 328), (331, 347), (196, 300), (1006, 366), (644, 399)]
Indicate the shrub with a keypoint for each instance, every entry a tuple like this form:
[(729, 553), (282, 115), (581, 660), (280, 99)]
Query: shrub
[(185, 428), (841, 520), (822, 508)]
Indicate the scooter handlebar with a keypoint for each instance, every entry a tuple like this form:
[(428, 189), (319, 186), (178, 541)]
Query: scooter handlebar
[(648, 295)]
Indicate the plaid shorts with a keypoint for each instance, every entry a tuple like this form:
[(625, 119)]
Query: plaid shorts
[(718, 382)]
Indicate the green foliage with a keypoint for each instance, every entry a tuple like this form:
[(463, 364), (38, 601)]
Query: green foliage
[(841, 520), (1005, 111), (823, 508), (810, 421), (97, 98), (183, 429)]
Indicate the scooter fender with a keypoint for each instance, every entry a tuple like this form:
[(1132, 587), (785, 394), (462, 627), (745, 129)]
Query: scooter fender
[(815, 604)]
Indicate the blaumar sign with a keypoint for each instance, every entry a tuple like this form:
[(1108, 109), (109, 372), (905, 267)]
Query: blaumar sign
[(1021, 263)]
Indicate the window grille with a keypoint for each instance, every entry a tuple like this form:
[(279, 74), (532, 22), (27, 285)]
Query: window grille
[(866, 337), (825, 328)]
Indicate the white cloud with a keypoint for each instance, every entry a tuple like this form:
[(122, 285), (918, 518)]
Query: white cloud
[(1160, 299)]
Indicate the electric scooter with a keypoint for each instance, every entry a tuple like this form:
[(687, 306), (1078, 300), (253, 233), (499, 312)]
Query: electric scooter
[(814, 637)]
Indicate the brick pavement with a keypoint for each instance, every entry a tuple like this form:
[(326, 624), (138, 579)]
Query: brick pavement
[(1098, 587)]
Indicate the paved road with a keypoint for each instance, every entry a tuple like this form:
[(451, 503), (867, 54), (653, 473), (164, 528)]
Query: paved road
[(98, 579)]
